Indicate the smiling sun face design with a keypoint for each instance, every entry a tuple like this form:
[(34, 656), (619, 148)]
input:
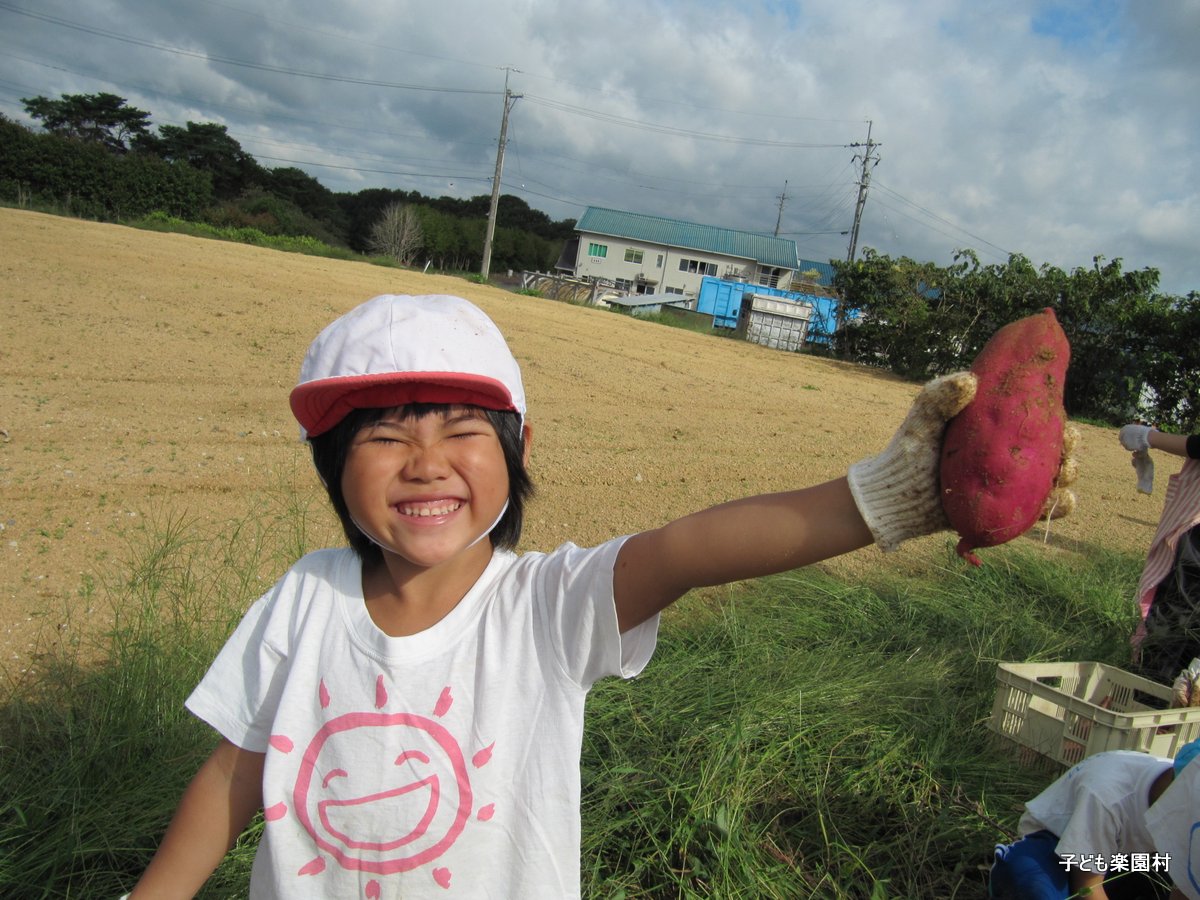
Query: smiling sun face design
[(382, 792)]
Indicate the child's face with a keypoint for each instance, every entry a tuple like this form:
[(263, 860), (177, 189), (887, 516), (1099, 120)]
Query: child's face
[(425, 489)]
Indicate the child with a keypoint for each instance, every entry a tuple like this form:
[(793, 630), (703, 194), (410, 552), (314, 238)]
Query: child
[(408, 712), (1097, 812), (1168, 637)]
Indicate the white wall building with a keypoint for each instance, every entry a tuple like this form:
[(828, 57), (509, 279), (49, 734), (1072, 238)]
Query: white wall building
[(648, 254)]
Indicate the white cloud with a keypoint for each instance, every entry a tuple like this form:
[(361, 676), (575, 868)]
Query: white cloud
[(1055, 128)]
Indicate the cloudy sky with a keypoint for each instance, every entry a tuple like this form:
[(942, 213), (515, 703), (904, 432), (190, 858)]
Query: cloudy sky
[(1058, 129)]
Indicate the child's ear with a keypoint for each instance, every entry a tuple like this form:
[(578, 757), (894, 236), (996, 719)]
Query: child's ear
[(527, 442)]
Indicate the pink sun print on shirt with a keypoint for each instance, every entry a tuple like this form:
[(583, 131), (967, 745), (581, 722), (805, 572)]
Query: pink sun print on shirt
[(422, 810)]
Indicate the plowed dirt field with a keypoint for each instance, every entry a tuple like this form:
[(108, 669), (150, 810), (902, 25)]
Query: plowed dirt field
[(145, 376)]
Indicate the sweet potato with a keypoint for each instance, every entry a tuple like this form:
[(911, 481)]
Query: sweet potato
[(1002, 454)]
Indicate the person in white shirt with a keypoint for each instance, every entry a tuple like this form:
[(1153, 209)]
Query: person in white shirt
[(1088, 833), (1167, 638), (408, 712)]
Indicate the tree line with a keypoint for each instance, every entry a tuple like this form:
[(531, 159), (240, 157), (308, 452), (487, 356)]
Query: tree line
[(1135, 352), (100, 158)]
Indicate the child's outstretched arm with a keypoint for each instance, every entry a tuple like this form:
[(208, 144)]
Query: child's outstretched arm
[(1143, 437), (216, 806), (886, 499)]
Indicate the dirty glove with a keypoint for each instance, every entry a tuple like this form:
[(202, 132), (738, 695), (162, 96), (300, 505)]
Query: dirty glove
[(1135, 437), (1185, 691), (1061, 501), (897, 492), (1144, 466)]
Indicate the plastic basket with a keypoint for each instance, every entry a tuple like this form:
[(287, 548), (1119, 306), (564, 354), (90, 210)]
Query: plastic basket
[(1066, 711)]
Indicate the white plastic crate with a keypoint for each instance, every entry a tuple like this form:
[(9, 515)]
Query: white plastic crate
[(1066, 711)]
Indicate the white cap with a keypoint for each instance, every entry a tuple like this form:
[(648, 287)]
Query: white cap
[(394, 350)]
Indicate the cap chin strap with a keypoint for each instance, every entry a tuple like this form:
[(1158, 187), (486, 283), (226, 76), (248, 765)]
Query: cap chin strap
[(370, 537), (491, 527)]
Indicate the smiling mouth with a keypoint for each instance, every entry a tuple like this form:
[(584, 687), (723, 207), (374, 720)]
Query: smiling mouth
[(430, 508), (414, 804)]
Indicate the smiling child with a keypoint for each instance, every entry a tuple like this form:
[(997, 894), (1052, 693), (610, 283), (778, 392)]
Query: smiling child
[(408, 712)]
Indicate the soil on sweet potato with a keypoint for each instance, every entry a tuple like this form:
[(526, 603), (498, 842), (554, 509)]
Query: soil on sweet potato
[(145, 376)]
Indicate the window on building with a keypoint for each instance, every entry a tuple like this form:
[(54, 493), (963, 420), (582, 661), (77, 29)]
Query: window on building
[(698, 266), (770, 277), (598, 250), (623, 284), (633, 256), (660, 260), (673, 290)]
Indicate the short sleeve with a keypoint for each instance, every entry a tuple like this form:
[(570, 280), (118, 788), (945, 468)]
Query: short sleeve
[(574, 599), (240, 692), (1092, 827)]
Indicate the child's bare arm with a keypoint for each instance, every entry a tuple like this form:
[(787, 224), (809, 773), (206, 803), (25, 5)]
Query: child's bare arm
[(742, 539), (1087, 884), (887, 499), (215, 808), (1169, 443), (1144, 437)]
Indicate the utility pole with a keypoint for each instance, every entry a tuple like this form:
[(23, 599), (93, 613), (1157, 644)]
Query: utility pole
[(782, 198), (510, 100), (869, 161)]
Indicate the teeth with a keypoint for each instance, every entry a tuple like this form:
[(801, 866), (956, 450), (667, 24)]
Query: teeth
[(424, 511)]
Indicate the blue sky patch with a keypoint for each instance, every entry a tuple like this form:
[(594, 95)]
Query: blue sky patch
[(1079, 23)]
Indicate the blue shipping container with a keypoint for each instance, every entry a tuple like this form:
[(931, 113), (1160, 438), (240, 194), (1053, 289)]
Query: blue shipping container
[(723, 300)]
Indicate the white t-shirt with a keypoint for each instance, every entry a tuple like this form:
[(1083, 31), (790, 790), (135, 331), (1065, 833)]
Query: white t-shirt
[(442, 764), (1174, 820), (1099, 806)]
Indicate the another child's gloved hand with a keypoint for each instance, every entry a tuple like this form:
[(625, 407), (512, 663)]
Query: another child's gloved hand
[(897, 492), (1135, 437), (1144, 466)]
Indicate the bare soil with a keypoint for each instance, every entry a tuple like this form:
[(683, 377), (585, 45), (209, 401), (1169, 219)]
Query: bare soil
[(146, 376)]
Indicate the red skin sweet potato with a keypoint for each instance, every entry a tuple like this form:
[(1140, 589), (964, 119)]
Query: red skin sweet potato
[(1002, 453)]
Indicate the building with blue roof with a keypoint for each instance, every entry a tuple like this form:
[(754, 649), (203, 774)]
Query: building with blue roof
[(640, 254)]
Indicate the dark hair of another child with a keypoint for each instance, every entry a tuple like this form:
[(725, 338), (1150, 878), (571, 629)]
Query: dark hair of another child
[(330, 450)]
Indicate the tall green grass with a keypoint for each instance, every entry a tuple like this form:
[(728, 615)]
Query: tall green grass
[(793, 737), (810, 738), (95, 745)]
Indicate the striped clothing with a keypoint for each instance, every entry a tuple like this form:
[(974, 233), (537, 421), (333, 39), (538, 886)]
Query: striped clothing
[(1181, 511)]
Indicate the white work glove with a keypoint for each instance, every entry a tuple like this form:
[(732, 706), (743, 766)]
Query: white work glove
[(1135, 437), (1144, 466), (898, 492)]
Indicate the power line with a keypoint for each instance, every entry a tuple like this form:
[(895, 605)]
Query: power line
[(305, 162), (941, 219), (667, 129), (308, 121), (332, 35), (591, 168), (645, 182), (208, 57)]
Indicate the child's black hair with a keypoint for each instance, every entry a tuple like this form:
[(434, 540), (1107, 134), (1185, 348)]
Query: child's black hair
[(331, 448)]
